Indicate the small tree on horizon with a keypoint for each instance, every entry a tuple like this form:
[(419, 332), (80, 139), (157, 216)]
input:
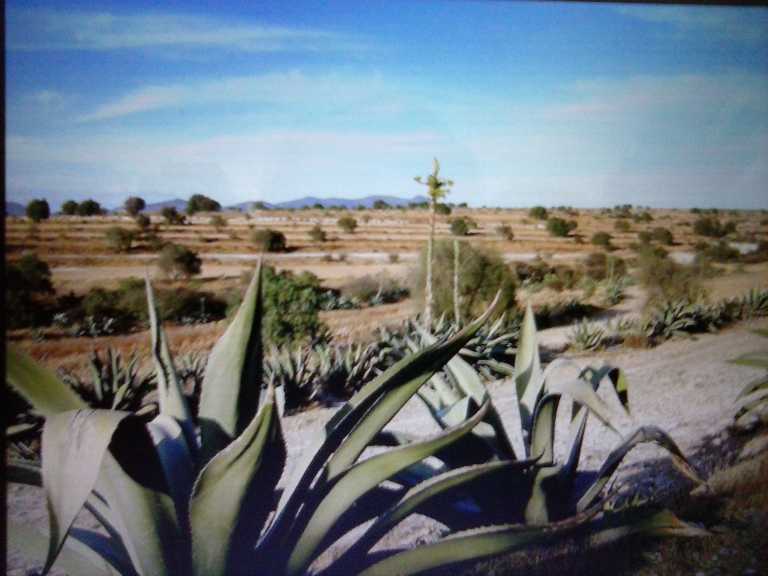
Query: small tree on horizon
[(133, 205), (69, 208), (38, 210), (202, 203), (347, 223)]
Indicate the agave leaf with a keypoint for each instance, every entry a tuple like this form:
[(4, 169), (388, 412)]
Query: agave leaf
[(74, 558), (233, 376), (360, 479), (755, 360), (39, 386), (528, 382), (420, 495), (642, 435), (169, 391), (23, 472), (474, 545), (654, 523), (133, 482), (234, 495), (73, 447), (753, 386)]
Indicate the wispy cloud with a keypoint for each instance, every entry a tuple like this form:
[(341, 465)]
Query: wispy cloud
[(728, 23), (47, 29), (321, 91)]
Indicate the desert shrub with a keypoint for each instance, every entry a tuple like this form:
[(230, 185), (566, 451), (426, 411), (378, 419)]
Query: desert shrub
[(559, 227), (119, 239), (601, 239), (143, 222), (528, 273), (292, 303), (538, 212), (218, 222), (553, 282), (643, 217), (153, 241), (712, 227), (347, 223), (38, 210), (644, 237), (317, 234), (621, 225), (442, 209), (394, 258), (172, 216), (666, 280), (505, 231), (27, 283), (374, 289), (178, 261), (662, 236), (600, 266), (69, 208), (89, 208), (202, 203), (482, 271), (586, 336), (268, 240), (720, 251), (133, 205), (459, 227)]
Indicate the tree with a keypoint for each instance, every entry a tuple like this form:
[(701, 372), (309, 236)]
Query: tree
[(662, 236), (559, 227), (89, 208), (119, 239), (218, 222), (38, 210), (26, 282), (201, 203), (437, 189), (538, 212), (172, 216), (133, 205), (177, 261), (317, 234), (347, 223), (381, 205), (443, 209), (459, 227), (269, 240), (69, 208)]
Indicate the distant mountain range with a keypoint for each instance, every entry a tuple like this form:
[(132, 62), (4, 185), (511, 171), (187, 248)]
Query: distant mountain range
[(17, 209)]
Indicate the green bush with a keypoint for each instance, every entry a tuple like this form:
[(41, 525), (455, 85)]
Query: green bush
[(89, 208), (27, 283), (459, 227), (621, 225), (666, 280), (178, 261), (268, 240), (711, 227), (119, 239), (69, 208), (347, 223), (143, 222), (201, 203), (643, 217), (662, 236), (559, 227), (538, 212), (133, 205), (601, 239), (600, 266), (644, 237), (442, 209), (38, 210), (720, 251), (172, 216), (317, 234), (482, 271)]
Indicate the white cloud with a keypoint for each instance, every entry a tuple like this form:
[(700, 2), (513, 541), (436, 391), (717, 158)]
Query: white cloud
[(370, 92), (47, 29)]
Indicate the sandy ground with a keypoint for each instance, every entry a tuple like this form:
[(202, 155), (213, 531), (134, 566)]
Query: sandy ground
[(685, 386)]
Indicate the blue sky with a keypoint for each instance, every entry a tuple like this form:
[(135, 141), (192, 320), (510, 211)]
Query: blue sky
[(523, 103)]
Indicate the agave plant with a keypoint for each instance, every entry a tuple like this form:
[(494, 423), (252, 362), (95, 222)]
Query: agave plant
[(295, 373), (752, 401), (587, 336), (551, 506), (173, 498)]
